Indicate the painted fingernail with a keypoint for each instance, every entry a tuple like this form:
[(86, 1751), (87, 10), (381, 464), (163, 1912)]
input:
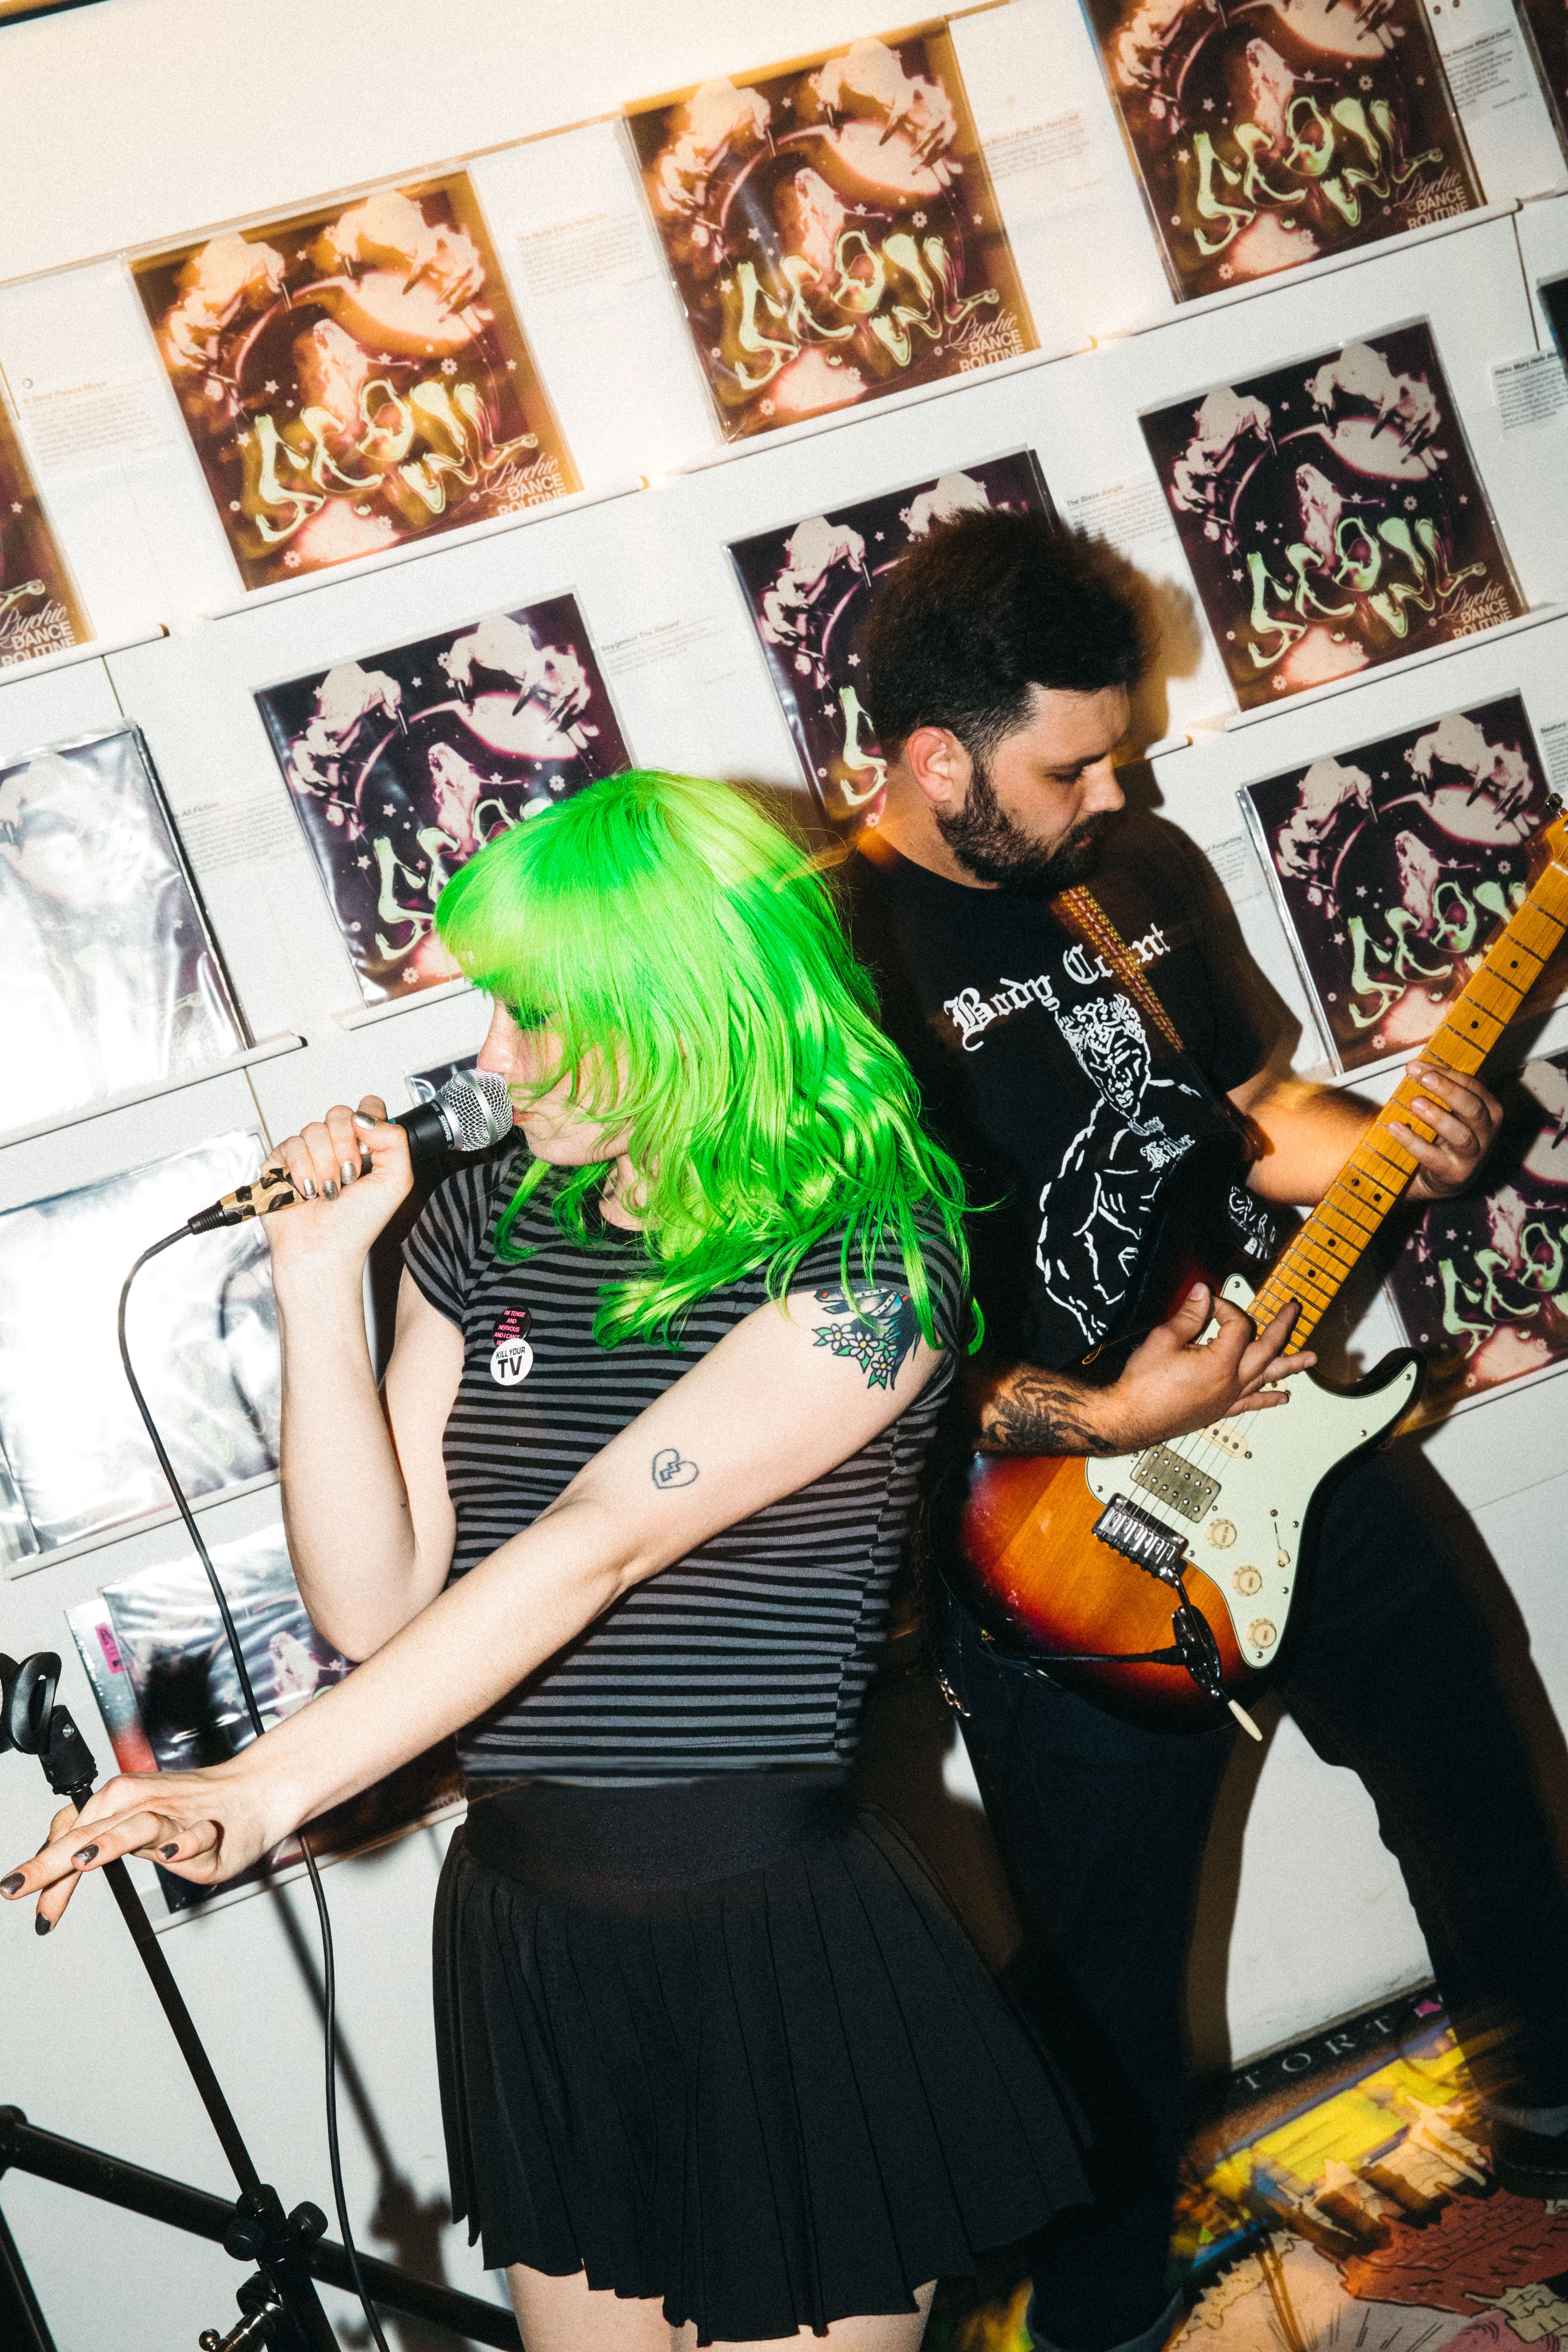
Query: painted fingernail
[(307, 1190), (41, 1924), (347, 1170), (11, 1885), (329, 1189), (361, 1120), (85, 1854), (173, 1847)]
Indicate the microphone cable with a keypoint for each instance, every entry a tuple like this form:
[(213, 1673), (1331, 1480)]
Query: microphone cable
[(329, 1965)]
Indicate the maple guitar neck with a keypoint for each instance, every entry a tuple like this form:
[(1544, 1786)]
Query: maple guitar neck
[(1315, 1265)]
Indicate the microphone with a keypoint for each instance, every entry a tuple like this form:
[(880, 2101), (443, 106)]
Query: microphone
[(472, 1111)]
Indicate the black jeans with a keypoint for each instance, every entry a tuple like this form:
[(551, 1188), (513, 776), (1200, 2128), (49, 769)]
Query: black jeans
[(1101, 1828)]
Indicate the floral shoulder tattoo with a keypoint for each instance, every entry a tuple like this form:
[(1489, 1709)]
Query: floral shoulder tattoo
[(876, 1326)]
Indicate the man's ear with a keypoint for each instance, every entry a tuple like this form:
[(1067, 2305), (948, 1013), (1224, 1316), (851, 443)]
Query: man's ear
[(940, 766)]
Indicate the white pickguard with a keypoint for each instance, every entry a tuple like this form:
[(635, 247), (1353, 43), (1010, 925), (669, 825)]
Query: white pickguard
[(1248, 1535)]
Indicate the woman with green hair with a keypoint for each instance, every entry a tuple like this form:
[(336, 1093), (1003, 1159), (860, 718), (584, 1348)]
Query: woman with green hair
[(717, 2063)]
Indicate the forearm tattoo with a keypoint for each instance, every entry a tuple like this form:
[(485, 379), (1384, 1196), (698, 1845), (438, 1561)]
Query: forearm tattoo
[(669, 1468), (1035, 1411), (876, 1326)]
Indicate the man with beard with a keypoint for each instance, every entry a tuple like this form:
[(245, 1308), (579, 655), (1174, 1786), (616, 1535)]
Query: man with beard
[(1001, 655)]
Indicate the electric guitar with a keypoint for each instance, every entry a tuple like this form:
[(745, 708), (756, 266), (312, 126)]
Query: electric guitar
[(1161, 1584)]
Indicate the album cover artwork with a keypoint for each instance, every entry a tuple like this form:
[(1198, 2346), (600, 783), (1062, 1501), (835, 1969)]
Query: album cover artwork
[(156, 1654), (1332, 514), (1396, 863), (107, 971), (1271, 132), (832, 230), (93, 1631), (1553, 294), (1545, 23), (202, 1335), (403, 764), (176, 1655), (809, 587), (354, 377), (40, 612), (1482, 1285)]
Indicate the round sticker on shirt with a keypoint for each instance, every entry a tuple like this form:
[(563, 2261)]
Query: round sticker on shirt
[(512, 1358)]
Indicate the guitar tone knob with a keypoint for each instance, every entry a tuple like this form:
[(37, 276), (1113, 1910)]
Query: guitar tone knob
[(1261, 1633), (1221, 1533), (1247, 1582)]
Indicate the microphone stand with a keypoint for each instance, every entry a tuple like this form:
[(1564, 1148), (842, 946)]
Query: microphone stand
[(279, 2304)]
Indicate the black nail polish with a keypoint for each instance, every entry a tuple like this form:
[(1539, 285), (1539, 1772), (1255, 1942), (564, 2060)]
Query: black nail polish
[(167, 1850), (85, 1854), (41, 1924), (11, 1885)]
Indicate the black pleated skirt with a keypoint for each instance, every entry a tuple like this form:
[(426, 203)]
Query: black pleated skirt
[(772, 2096)]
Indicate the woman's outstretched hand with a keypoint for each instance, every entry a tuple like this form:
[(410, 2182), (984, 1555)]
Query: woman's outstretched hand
[(203, 1826), (351, 1174)]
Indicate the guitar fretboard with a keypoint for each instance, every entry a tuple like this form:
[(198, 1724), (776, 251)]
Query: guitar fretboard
[(1317, 1261)]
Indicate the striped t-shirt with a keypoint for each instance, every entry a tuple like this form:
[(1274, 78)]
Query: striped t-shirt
[(753, 1651)]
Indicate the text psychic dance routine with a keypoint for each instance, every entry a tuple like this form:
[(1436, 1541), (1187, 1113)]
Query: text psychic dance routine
[(1081, 1051), (717, 2063)]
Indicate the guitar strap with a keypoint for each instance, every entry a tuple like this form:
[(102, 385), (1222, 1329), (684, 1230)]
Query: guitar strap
[(1083, 915)]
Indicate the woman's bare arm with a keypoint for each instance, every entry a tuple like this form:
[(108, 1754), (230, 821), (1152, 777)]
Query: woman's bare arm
[(785, 1396), (365, 1506)]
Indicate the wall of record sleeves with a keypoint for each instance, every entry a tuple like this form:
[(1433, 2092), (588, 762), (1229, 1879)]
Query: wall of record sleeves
[(406, 423)]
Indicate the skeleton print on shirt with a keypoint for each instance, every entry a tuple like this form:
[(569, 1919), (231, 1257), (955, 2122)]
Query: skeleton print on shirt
[(1139, 1126)]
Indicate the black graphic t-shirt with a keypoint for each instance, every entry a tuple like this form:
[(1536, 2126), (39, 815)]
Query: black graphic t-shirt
[(1040, 1074)]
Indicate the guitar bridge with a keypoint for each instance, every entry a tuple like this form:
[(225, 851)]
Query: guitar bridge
[(1174, 1482), (1141, 1538)]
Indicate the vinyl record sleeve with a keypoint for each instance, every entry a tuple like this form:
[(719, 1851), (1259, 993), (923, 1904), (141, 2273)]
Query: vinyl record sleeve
[(808, 586), (155, 1652), (401, 765), (831, 229), (353, 377), (1394, 864), (40, 612), (110, 974), (104, 1663), (202, 1333), (176, 1655), (1482, 1285), (1332, 514), (1266, 133), (1545, 23)]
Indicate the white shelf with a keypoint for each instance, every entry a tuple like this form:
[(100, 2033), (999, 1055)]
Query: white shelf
[(267, 1051)]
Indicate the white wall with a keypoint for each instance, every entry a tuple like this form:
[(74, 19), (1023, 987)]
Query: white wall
[(142, 120)]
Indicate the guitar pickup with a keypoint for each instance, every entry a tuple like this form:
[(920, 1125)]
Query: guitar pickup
[(1141, 1538), (1173, 1481)]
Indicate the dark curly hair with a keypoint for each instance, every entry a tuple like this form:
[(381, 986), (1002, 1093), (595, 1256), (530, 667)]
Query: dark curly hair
[(983, 608)]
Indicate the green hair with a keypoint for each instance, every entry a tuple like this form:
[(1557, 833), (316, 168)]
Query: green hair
[(684, 951)]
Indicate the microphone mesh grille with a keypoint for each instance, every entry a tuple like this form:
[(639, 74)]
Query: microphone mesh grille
[(478, 1108)]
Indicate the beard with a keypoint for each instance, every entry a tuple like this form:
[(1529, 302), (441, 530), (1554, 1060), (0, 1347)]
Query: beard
[(985, 839)]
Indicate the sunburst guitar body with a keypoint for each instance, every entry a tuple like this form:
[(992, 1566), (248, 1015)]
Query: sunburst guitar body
[(1164, 1584)]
